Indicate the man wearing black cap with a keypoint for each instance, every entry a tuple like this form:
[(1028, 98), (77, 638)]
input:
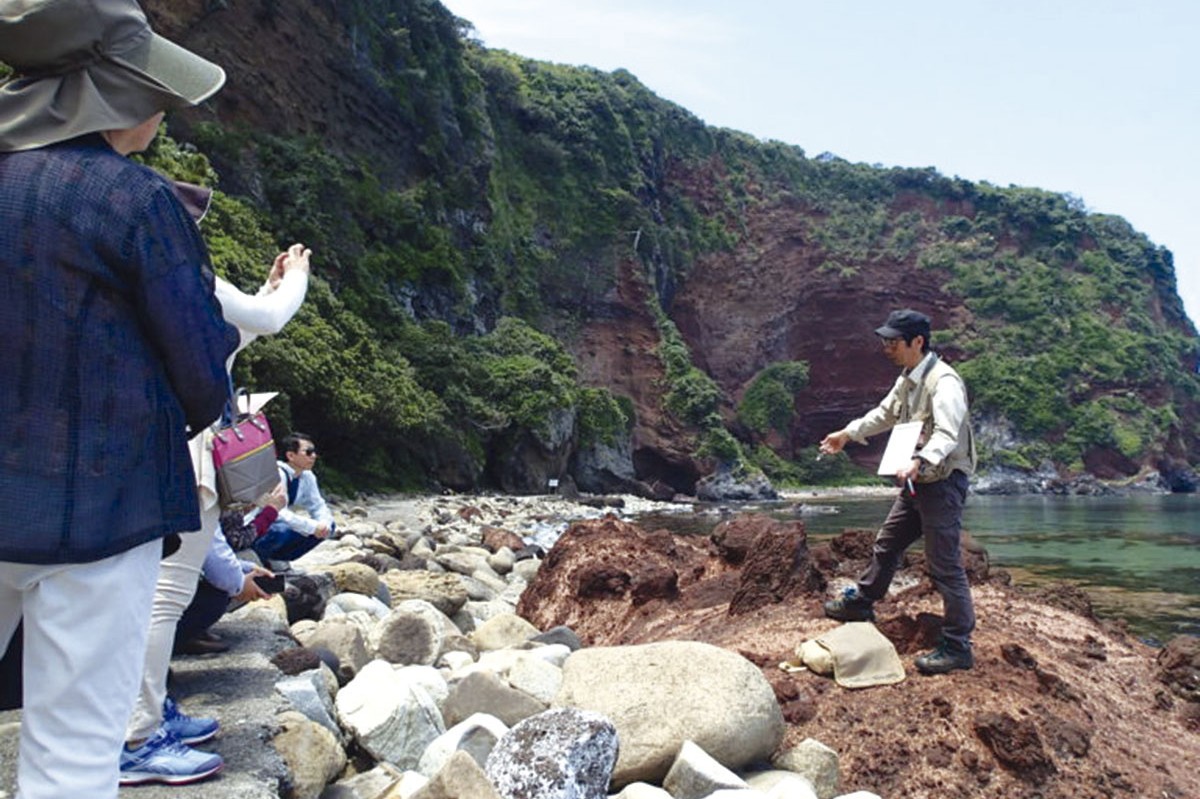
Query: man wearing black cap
[(114, 346), (934, 487)]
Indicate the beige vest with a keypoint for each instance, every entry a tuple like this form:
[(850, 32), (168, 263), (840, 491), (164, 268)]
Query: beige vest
[(963, 456)]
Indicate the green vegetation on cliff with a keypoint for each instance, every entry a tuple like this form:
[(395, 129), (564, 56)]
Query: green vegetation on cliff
[(769, 403), (532, 181), (455, 270)]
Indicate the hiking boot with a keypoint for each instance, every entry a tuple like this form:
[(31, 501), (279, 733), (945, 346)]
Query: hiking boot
[(162, 758), (186, 729), (850, 606), (947, 657)]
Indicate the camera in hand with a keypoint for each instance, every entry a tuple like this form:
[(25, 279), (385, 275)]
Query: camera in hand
[(272, 585)]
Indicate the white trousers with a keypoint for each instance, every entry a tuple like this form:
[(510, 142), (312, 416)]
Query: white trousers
[(177, 581), (85, 630)]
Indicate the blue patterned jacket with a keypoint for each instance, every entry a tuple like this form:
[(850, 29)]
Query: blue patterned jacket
[(110, 343)]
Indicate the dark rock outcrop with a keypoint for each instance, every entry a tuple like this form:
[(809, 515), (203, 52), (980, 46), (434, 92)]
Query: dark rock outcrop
[(725, 486), (1179, 667), (777, 568), (1016, 744)]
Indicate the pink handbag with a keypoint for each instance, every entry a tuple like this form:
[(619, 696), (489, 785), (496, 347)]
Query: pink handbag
[(244, 456)]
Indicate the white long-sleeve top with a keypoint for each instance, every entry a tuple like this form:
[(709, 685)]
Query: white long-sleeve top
[(255, 315), (264, 313)]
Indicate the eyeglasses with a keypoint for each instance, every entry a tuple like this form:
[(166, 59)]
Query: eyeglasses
[(890, 342), (309, 450)]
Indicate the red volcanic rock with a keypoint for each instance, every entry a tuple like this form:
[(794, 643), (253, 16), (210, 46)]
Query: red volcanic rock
[(853, 545), (602, 578), (600, 574), (735, 537), (1179, 667), (1016, 744), (911, 634), (775, 565), (496, 537), (470, 512), (1067, 597), (1058, 705), (618, 347)]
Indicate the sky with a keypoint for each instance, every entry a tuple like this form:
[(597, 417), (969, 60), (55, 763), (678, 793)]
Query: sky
[(1099, 99)]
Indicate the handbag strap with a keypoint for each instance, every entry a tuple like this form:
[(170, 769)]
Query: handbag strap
[(231, 416)]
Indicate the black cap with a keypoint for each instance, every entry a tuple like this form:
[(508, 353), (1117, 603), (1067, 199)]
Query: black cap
[(905, 324)]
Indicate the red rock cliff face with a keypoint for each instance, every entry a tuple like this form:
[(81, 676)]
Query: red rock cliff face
[(292, 68), (297, 72), (769, 300), (300, 68), (618, 349)]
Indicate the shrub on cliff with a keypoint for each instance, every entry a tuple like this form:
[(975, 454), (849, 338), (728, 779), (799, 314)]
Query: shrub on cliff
[(770, 401)]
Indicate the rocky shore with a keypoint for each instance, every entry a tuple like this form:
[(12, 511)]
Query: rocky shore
[(473, 646)]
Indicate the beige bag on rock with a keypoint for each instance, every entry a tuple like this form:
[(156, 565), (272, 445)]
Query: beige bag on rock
[(856, 654)]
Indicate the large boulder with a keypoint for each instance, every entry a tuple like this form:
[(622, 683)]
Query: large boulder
[(391, 714), (313, 754), (606, 467), (660, 695), (559, 754)]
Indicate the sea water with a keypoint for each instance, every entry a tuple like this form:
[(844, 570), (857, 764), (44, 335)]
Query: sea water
[(1137, 557)]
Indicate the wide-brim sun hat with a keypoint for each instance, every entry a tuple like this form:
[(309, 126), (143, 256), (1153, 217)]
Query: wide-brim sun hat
[(82, 66)]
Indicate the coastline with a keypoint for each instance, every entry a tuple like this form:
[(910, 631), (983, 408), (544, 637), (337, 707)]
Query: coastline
[(1101, 680), (1150, 611), (836, 492)]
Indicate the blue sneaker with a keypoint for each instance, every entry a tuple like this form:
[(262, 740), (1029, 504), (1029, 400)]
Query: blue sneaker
[(188, 730), (162, 758), (850, 606)]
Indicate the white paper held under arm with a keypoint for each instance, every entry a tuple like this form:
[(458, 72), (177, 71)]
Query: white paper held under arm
[(900, 448)]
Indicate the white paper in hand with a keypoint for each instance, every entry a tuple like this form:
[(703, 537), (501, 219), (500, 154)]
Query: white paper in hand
[(256, 401), (900, 448)]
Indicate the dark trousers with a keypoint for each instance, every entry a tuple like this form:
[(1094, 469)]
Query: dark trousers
[(935, 514), (208, 605), (10, 670), (283, 543)]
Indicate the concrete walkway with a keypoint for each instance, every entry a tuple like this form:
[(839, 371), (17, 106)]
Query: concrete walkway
[(236, 687)]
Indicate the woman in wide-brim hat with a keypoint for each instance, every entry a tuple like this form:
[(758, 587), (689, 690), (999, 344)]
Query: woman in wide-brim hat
[(113, 346), (85, 66)]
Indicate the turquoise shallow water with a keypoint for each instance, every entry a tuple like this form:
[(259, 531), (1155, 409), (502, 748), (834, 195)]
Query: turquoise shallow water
[(1137, 557)]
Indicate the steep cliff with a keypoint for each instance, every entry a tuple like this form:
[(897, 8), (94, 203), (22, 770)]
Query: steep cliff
[(443, 183)]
